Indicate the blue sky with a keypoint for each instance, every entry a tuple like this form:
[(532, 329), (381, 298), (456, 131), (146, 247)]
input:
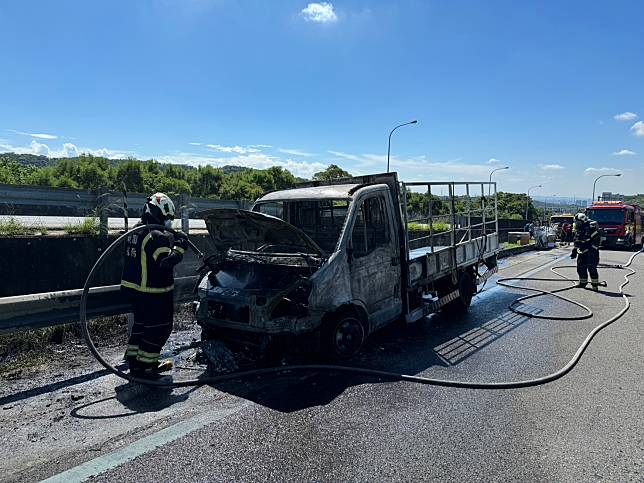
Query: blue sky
[(553, 89)]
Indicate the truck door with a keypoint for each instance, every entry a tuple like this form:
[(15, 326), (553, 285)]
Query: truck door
[(375, 260)]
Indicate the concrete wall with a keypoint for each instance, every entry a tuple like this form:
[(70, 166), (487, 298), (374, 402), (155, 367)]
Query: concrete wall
[(49, 264)]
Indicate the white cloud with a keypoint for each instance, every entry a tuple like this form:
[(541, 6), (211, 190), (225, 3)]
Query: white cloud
[(294, 152), (340, 154), (624, 152), (302, 169), (67, 150), (493, 161), (232, 149), (597, 171), (625, 116), (552, 167), (195, 144), (322, 12), (260, 146), (34, 135), (638, 128)]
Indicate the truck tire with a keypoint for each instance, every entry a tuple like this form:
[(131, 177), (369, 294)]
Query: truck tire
[(343, 336), (466, 288), (208, 333)]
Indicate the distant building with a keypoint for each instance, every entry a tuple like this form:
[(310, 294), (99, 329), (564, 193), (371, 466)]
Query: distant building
[(609, 196)]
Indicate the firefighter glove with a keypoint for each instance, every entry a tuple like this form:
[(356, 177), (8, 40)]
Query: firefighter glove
[(181, 240), (573, 255)]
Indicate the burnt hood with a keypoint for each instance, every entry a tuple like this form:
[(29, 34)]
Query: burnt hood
[(256, 232)]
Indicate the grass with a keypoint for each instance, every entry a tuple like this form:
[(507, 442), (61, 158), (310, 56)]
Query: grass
[(515, 245), (89, 226), (22, 352), (438, 227), (27, 349), (14, 227)]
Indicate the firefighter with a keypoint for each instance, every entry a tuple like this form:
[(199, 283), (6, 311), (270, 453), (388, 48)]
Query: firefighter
[(586, 251), (148, 283)]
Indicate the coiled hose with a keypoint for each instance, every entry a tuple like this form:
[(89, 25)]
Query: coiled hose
[(385, 375)]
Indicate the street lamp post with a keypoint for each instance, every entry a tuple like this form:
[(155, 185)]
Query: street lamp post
[(595, 183), (489, 187), (527, 200), (392, 131)]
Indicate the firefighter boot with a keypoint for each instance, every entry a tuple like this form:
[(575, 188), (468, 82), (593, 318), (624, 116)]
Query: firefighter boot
[(582, 283), (594, 284), (151, 371)]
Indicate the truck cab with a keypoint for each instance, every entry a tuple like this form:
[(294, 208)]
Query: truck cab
[(621, 223), (335, 260)]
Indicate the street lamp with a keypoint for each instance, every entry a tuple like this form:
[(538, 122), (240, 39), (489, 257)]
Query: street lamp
[(392, 131), (489, 187), (595, 183), (527, 200)]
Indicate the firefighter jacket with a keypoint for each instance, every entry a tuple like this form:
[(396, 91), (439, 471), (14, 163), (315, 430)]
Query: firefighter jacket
[(587, 237), (149, 259)]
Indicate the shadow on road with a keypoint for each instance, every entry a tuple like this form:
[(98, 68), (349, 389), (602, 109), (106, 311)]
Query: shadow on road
[(442, 340), (135, 397)]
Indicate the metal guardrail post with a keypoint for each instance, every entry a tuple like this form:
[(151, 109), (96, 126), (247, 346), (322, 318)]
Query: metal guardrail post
[(430, 213), (184, 201), (102, 202)]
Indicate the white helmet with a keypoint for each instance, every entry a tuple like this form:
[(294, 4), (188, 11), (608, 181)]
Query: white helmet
[(581, 218), (160, 207)]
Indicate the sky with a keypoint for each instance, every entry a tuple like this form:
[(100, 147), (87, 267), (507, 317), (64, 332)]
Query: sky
[(554, 90)]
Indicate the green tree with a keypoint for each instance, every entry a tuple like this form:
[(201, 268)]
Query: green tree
[(332, 172), (130, 172)]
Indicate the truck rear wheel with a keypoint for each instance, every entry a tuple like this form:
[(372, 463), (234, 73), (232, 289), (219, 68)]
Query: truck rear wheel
[(466, 287), (343, 337)]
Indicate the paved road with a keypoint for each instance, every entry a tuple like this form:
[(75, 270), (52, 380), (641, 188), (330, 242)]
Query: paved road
[(329, 427)]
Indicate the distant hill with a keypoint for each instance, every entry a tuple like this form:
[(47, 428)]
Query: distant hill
[(28, 159), (40, 161)]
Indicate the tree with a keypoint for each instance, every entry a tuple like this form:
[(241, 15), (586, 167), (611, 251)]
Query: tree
[(206, 181), (332, 172), (130, 172)]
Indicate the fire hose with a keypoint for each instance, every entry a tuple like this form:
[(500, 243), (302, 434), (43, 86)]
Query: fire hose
[(385, 375)]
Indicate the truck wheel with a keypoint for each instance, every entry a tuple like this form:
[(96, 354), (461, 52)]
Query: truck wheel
[(343, 337), (466, 288), (208, 333)]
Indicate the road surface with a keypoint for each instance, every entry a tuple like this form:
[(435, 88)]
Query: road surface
[(79, 423)]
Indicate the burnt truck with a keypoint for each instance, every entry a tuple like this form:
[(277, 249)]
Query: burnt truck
[(339, 260)]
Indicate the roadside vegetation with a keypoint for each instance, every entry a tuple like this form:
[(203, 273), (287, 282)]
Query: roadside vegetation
[(228, 182), (14, 227), (438, 227), (23, 352), (89, 226)]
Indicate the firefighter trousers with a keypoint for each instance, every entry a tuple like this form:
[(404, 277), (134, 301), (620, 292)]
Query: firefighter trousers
[(153, 319), (587, 265)]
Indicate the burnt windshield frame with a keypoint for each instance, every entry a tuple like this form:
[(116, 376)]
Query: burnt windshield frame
[(321, 219)]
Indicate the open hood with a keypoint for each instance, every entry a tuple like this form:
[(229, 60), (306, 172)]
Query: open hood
[(256, 232)]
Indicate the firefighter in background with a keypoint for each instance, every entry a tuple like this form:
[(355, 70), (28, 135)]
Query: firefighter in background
[(148, 283), (586, 251)]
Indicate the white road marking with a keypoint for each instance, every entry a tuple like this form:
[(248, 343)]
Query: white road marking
[(144, 445)]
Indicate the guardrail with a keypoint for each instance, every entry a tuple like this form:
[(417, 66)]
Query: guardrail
[(45, 201), (40, 310)]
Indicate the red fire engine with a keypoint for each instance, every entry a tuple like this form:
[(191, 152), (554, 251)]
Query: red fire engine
[(620, 222)]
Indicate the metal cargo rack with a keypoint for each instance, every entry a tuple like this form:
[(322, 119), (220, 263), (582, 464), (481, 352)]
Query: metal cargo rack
[(458, 230)]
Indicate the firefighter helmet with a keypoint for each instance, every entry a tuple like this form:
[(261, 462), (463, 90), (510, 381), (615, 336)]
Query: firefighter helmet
[(159, 207), (581, 218)]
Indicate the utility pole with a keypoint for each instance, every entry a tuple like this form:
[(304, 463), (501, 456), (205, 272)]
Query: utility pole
[(527, 200), (595, 183), (392, 131)]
